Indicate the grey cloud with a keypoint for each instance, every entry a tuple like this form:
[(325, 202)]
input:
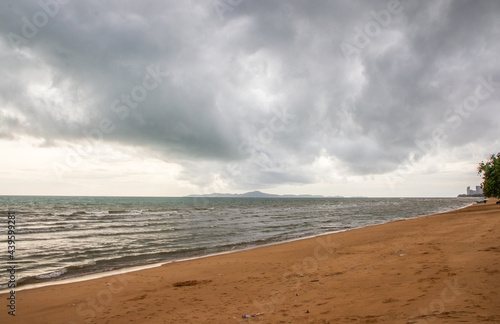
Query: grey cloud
[(227, 77)]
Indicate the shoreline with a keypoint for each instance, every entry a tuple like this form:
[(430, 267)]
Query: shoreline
[(442, 268), (104, 274), (128, 269)]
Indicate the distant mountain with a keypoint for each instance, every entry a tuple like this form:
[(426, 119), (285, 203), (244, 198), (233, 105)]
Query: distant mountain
[(257, 194), (254, 194)]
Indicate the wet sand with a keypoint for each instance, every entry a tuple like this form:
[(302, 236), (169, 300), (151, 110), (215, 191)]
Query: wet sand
[(442, 268)]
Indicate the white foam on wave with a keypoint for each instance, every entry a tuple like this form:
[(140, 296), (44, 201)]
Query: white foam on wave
[(54, 274)]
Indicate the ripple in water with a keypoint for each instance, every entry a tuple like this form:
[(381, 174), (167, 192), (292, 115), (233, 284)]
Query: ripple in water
[(61, 237)]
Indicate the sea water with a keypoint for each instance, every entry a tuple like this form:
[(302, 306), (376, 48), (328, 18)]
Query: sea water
[(63, 237)]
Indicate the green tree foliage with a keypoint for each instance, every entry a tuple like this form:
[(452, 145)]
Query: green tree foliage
[(491, 176)]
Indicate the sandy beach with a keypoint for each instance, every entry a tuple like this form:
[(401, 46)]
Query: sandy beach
[(442, 268)]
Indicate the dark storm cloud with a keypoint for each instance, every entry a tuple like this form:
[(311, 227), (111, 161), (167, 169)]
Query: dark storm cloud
[(227, 79)]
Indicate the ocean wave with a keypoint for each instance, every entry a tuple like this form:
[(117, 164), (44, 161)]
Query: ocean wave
[(131, 211), (111, 212), (52, 275), (78, 213)]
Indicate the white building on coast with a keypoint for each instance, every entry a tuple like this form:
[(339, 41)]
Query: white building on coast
[(478, 191)]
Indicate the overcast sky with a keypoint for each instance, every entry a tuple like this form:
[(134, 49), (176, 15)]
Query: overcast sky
[(169, 98)]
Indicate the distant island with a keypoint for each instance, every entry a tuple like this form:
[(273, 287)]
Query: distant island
[(256, 194)]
